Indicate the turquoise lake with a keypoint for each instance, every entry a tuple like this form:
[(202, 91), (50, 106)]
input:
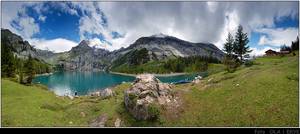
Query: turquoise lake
[(64, 83)]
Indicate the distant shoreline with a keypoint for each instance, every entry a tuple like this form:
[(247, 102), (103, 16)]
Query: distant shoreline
[(44, 74), (157, 75)]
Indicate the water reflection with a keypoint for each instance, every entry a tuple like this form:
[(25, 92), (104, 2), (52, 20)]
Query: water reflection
[(67, 83)]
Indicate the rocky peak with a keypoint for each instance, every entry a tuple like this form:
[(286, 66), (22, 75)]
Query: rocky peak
[(82, 47), (84, 43)]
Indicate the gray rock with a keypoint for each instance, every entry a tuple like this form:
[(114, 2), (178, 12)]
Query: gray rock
[(118, 122), (107, 92), (146, 92), (100, 121)]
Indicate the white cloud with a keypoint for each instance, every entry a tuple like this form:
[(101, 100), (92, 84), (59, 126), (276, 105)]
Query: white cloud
[(16, 11), (27, 26), (191, 21), (55, 45), (97, 43), (260, 52), (277, 36), (231, 24), (8, 15), (212, 6), (65, 7), (42, 18)]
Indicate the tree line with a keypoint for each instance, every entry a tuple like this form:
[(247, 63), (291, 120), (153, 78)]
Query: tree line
[(22, 69), (189, 64), (294, 46)]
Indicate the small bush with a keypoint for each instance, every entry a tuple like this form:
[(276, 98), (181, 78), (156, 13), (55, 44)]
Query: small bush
[(132, 97), (249, 63), (231, 64), (154, 111), (293, 77)]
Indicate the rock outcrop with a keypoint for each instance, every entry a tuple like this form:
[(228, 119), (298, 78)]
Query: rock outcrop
[(100, 121), (84, 58), (106, 93), (146, 96)]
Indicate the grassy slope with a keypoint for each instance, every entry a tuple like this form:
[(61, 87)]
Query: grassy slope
[(265, 94), (33, 106), (262, 95)]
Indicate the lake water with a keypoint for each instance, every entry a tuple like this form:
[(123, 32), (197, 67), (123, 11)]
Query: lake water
[(63, 83)]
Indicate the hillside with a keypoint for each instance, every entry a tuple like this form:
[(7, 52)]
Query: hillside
[(265, 94), (22, 48)]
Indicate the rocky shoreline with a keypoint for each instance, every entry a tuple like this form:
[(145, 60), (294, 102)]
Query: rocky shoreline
[(156, 75), (44, 74)]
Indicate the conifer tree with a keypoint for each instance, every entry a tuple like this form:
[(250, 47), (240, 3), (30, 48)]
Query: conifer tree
[(228, 46), (8, 66), (29, 69), (240, 44)]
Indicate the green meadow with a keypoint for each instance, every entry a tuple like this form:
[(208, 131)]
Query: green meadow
[(262, 95)]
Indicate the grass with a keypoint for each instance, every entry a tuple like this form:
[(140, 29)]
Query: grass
[(31, 106), (264, 94)]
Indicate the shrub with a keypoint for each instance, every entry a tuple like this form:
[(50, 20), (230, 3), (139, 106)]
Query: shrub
[(154, 111), (132, 97), (231, 64), (248, 63), (293, 77)]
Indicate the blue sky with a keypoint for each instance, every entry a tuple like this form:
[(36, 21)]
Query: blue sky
[(287, 22), (59, 26)]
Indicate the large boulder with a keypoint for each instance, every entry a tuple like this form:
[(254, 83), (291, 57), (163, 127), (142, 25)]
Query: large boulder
[(106, 93), (145, 97)]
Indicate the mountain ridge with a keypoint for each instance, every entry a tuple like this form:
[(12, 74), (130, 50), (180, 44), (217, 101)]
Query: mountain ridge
[(86, 58)]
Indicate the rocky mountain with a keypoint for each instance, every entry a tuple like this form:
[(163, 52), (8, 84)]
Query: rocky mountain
[(85, 58), (164, 47), (82, 57), (22, 48)]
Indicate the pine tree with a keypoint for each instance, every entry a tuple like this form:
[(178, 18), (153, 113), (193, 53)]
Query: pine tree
[(8, 66), (295, 45), (285, 48), (29, 69), (228, 46), (240, 44)]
